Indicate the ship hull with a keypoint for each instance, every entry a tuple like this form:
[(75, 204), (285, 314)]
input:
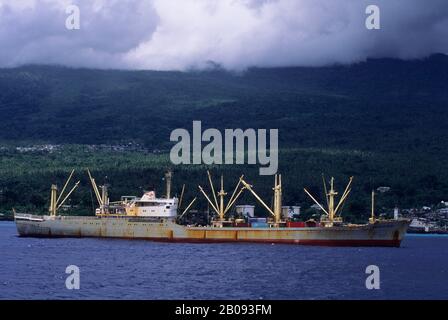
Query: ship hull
[(386, 233)]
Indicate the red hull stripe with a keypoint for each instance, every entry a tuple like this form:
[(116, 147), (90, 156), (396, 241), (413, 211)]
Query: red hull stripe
[(330, 243), (334, 243)]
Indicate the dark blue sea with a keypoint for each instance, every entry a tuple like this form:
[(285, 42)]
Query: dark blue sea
[(119, 269)]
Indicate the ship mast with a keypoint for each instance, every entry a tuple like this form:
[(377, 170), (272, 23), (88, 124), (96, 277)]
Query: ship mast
[(102, 198), (168, 177), (54, 190), (277, 198), (332, 211), (221, 196), (372, 216), (331, 196), (276, 212), (219, 207)]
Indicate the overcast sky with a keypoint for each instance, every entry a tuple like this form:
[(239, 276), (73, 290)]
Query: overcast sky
[(183, 34)]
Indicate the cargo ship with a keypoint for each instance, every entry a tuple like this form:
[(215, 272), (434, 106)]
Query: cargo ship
[(159, 219)]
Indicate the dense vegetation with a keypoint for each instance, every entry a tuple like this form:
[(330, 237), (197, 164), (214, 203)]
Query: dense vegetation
[(384, 121)]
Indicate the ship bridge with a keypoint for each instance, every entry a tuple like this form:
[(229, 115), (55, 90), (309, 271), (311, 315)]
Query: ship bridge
[(150, 206)]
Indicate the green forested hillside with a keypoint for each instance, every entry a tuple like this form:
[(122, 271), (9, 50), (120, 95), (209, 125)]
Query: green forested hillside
[(384, 121), (386, 104)]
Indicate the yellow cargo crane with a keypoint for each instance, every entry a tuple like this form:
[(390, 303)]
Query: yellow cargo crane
[(103, 198), (220, 208), (332, 211), (179, 206), (181, 196), (55, 200), (187, 208), (276, 212)]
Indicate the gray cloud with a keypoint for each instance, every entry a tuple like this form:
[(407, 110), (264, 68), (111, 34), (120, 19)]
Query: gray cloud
[(177, 35)]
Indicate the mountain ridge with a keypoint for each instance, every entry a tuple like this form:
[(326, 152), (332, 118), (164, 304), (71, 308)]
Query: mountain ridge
[(83, 106)]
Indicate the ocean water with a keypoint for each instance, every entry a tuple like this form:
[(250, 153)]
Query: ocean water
[(120, 269)]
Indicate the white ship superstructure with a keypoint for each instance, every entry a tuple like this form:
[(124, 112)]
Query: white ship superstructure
[(150, 206)]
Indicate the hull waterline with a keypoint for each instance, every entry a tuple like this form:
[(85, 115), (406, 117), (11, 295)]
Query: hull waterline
[(381, 233)]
